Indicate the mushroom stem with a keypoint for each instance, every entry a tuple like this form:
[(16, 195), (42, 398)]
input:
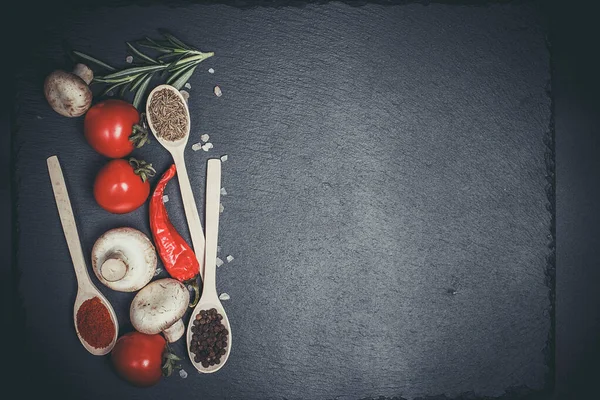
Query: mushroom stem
[(174, 332), (114, 267), (84, 72)]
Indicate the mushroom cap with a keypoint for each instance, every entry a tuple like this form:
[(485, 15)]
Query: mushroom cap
[(158, 306), (67, 93), (134, 249)]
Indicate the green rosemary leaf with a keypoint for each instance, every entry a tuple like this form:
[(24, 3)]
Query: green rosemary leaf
[(111, 88), (175, 41), (138, 81), (140, 54), (134, 71), (123, 90), (125, 79), (195, 59), (154, 47), (139, 95), (94, 60), (175, 75), (178, 84)]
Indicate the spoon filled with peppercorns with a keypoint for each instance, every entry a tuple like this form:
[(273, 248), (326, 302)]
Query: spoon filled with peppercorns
[(209, 332)]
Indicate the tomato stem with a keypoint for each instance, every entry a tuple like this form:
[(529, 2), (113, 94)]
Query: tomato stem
[(142, 168)]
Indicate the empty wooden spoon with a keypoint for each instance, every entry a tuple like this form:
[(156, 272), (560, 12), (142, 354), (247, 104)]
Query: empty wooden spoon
[(209, 298), (85, 287)]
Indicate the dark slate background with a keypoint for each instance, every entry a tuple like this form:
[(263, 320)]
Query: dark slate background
[(380, 158)]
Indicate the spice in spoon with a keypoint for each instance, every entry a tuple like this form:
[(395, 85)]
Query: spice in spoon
[(94, 323), (168, 115)]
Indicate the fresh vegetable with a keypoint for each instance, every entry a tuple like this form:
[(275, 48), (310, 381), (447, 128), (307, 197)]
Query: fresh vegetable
[(112, 128), (177, 61), (142, 359), (159, 307), (177, 256), (121, 186), (124, 259), (68, 93)]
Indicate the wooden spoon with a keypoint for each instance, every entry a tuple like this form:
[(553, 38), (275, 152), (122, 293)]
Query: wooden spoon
[(209, 298), (85, 287), (177, 148)]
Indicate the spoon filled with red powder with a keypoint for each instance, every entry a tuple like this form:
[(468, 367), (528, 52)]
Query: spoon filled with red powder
[(95, 320)]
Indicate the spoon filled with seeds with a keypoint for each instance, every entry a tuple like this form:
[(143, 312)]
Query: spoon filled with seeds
[(209, 332), (169, 120)]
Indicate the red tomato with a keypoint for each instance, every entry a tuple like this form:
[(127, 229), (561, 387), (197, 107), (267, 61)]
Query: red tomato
[(118, 189), (137, 357), (108, 125)]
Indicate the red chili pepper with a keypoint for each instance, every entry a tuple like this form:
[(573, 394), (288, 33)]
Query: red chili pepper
[(177, 256)]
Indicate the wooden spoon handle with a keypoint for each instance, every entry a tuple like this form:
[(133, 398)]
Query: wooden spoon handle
[(191, 211), (213, 199), (67, 219)]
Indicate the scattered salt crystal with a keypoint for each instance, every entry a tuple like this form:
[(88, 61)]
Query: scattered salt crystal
[(129, 59), (229, 258), (207, 146), (158, 271), (196, 146), (185, 95), (187, 85), (219, 262), (205, 137), (218, 249), (165, 198), (224, 158), (223, 192), (224, 296), (211, 71), (218, 91), (38, 117), (221, 208), (182, 373)]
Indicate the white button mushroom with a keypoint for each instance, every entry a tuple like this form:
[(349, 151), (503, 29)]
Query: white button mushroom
[(159, 307), (68, 93), (124, 259)]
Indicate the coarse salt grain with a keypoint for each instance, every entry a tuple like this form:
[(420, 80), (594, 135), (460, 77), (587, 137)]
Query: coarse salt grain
[(218, 249), (224, 158), (205, 137), (165, 198), (219, 262), (129, 59), (196, 146), (185, 95), (182, 373), (187, 85), (158, 271), (230, 258), (218, 91), (221, 208), (224, 296), (211, 71), (223, 192), (207, 146)]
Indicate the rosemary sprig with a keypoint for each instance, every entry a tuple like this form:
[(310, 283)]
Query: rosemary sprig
[(175, 66)]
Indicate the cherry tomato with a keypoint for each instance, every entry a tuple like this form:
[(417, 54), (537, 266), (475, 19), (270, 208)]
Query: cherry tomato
[(138, 357), (111, 128), (121, 186)]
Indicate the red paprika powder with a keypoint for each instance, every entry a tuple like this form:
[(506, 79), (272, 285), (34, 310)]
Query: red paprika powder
[(94, 323)]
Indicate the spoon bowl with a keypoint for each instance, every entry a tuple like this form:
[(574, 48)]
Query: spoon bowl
[(209, 298), (177, 149), (86, 294), (85, 287)]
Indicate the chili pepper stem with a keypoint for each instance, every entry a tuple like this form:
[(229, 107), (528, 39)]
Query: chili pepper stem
[(194, 284)]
